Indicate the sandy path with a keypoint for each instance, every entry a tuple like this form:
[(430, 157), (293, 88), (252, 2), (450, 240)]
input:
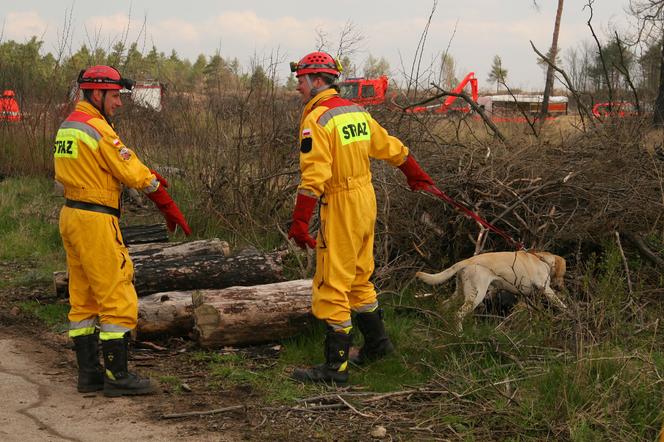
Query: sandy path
[(39, 402)]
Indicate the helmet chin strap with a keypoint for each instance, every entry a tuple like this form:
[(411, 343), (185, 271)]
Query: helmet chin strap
[(101, 108), (315, 90)]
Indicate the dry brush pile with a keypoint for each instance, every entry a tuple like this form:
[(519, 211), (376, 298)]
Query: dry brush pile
[(567, 190), (561, 191), (236, 157)]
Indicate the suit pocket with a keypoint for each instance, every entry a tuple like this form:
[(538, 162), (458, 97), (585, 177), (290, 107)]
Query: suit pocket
[(126, 265)]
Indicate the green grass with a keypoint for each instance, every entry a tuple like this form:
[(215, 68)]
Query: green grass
[(53, 315), (593, 373), (29, 232), (174, 382)]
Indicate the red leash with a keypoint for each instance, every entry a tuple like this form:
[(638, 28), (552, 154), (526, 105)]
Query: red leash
[(448, 199)]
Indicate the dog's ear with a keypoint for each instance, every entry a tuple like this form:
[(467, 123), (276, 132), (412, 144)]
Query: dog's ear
[(561, 266), (558, 272)]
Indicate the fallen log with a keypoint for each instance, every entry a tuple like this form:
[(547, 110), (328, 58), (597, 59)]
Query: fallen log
[(158, 252), (213, 271), (165, 314), (238, 316), (175, 249), (144, 234)]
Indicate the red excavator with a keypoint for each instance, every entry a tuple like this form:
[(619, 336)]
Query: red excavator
[(373, 91), (460, 106), (364, 91)]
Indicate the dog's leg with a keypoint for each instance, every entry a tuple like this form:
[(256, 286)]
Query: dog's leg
[(553, 298), (473, 282)]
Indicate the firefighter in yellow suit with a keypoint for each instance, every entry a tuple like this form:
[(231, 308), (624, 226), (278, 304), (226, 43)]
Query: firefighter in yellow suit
[(92, 164), (337, 140)]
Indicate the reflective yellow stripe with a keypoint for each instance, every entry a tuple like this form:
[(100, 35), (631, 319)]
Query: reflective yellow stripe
[(107, 336), (109, 374), (345, 330), (343, 367), (74, 333)]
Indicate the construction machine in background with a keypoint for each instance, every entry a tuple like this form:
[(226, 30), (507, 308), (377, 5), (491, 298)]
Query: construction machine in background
[(364, 91), (452, 104), (373, 92), (507, 108)]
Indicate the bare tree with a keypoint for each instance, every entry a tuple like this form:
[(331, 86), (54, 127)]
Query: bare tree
[(347, 44), (553, 52)]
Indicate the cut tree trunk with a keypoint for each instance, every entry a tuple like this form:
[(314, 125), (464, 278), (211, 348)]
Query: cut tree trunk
[(238, 316), (206, 272), (165, 314)]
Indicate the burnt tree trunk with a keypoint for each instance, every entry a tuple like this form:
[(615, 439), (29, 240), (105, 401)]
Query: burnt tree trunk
[(144, 234), (165, 314), (206, 272), (238, 316)]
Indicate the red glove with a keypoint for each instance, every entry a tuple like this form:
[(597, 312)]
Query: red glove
[(417, 178), (299, 229), (159, 178), (171, 212)]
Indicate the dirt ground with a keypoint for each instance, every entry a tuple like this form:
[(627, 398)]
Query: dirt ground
[(38, 382)]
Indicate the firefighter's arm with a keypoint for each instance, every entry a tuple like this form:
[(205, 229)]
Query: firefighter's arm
[(124, 165), (384, 146), (130, 171), (389, 148)]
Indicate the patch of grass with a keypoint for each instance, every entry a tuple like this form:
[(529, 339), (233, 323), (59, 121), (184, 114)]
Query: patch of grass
[(236, 369), (53, 315), (29, 235), (172, 381)]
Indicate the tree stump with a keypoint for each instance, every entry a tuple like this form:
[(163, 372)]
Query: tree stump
[(238, 316)]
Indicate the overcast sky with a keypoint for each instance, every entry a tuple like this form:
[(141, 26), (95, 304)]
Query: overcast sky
[(474, 30)]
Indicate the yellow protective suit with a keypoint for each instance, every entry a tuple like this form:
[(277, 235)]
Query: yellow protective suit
[(91, 163), (337, 139)]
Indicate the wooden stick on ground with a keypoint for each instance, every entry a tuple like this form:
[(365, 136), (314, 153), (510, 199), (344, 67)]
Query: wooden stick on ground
[(201, 413)]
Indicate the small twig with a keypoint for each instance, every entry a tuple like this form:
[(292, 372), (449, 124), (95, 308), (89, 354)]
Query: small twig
[(624, 259), (404, 393), (319, 407), (353, 408), (201, 413)]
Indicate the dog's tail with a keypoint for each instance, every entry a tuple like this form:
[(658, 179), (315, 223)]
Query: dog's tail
[(445, 275)]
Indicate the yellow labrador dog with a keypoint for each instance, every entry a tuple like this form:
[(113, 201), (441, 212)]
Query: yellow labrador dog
[(521, 273)]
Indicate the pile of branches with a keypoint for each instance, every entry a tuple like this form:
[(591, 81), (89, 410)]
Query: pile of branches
[(549, 193)]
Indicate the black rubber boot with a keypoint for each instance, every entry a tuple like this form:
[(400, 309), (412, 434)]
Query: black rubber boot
[(335, 368), (90, 371), (118, 380), (376, 342)]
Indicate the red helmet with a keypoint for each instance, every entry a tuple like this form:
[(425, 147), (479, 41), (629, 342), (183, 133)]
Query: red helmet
[(8, 93), (103, 77), (316, 63)]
